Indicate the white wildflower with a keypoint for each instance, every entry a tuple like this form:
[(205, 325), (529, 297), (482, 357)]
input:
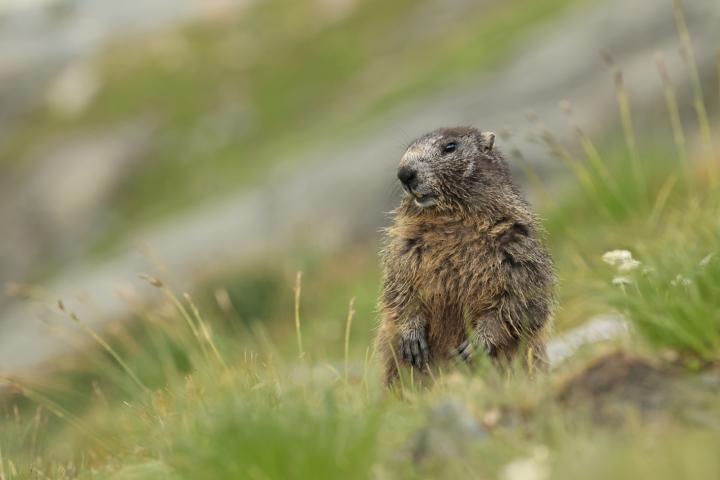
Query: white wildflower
[(616, 257), (534, 467), (622, 259), (621, 280), (680, 280), (629, 266)]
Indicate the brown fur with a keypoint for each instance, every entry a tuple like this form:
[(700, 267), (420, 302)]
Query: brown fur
[(471, 267)]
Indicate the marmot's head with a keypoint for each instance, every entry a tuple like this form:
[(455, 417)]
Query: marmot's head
[(453, 167)]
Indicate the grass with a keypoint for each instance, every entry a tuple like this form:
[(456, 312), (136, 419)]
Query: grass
[(269, 416), (673, 298)]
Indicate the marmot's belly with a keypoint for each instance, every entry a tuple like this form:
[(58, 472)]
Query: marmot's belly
[(451, 304), (445, 337)]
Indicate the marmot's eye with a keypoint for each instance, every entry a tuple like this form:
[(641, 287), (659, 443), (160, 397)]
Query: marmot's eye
[(449, 147)]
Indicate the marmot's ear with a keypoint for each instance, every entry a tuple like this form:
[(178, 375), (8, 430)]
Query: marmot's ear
[(488, 141)]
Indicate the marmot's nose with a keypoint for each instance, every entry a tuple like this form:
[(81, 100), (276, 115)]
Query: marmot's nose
[(407, 175)]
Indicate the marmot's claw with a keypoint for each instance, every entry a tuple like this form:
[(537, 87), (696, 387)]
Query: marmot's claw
[(469, 347), (414, 350)]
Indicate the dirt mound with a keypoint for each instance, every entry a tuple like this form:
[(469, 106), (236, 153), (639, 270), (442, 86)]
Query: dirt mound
[(619, 385)]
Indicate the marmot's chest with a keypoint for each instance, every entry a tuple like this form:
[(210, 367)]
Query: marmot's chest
[(450, 264)]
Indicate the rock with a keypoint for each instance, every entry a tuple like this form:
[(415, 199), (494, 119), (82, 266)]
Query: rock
[(534, 467), (332, 11), (149, 469), (615, 382), (218, 10), (71, 181), (57, 205), (597, 329), (450, 428), (72, 91)]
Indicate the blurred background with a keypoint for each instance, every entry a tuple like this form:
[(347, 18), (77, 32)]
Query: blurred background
[(222, 146)]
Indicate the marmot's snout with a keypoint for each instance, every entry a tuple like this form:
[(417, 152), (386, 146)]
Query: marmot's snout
[(408, 177), (417, 179)]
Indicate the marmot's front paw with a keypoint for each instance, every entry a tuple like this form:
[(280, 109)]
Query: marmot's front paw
[(414, 349), (469, 348)]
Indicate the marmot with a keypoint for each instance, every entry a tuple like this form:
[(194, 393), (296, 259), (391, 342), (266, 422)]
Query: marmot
[(465, 268)]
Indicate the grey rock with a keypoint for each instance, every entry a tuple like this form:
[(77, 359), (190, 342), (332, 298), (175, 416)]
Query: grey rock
[(449, 430), (56, 203), (598, 329)]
